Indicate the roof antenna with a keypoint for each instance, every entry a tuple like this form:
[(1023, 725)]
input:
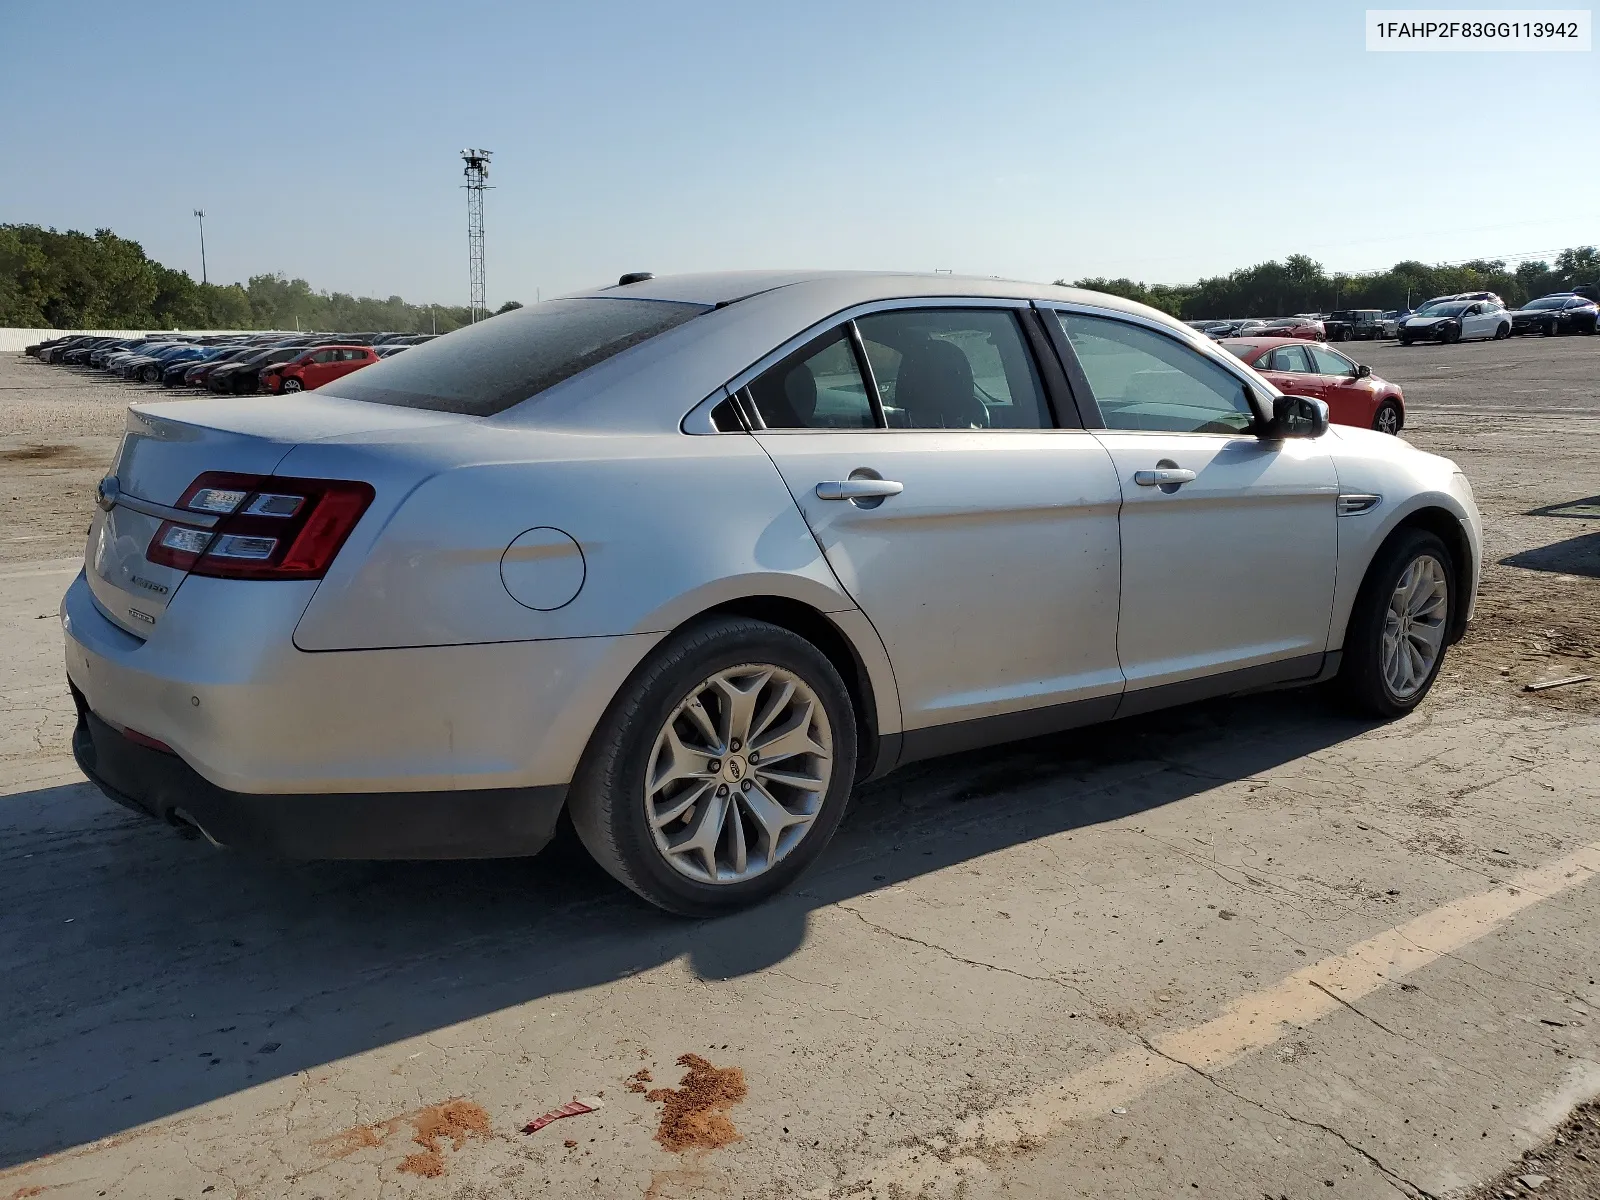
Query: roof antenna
[(635, 277)]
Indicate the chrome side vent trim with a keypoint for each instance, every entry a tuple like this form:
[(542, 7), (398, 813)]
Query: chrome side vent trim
[(1353, 504)]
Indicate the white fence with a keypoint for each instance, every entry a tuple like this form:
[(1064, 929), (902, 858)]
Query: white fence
[(16, 339)]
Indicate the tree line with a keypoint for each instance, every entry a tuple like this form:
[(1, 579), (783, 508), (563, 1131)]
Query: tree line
[(72, 280), (1299, 284), (77, 280)]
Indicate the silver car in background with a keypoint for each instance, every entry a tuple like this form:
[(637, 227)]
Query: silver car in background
[(692, 557)]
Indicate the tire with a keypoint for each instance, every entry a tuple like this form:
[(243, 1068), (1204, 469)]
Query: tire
[(1450, 336), (150, 375), (1551, 329), (291, 384), (1363, 679), (611, 805), (1405, 341), (1502, 331), (1386, 419)]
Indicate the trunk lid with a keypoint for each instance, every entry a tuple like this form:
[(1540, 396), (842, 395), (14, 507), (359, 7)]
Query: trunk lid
[(165, 447)]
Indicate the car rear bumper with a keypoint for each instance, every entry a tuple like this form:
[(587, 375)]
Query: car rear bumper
[(258, 726), (486, 823)]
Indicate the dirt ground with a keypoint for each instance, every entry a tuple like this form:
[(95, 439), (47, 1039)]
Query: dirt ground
[(1248, 948)]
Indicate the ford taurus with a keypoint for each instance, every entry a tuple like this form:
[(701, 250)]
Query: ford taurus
[(692, 557)]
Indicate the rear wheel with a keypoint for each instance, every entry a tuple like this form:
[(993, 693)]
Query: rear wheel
[(1395, 642), (721, 769), (1404, 340), (1387, 418)]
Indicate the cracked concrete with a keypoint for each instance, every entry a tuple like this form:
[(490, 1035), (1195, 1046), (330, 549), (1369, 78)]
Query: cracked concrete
[(999, 952)]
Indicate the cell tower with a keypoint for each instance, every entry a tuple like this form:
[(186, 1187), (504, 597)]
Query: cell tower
[(477, 173)]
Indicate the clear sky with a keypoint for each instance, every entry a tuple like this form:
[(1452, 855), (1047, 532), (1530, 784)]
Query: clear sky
[(1161, 141)]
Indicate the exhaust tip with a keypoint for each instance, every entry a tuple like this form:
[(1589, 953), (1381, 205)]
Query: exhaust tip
[(189, 828)]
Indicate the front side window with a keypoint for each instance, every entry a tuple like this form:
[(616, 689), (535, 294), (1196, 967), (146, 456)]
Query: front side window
[(953, 368), (486, 368), (1145, 380), (819, 386), (1329, 363)]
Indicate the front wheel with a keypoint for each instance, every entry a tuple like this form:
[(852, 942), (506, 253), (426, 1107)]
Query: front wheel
[(721, 769), (1502, 331), (1395, 642), (1551, 329), (1387, 418), (291, 384), (151, 374), (1405, 341), (1449, 334)]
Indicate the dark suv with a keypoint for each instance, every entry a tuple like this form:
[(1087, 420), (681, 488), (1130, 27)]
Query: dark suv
[(1364, 324)]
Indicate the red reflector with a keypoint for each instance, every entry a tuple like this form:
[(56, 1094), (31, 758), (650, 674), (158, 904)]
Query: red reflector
[(294, 533), (149, 743)]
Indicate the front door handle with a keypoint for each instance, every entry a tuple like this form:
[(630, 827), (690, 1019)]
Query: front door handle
[(1164, 477), (860, 489)]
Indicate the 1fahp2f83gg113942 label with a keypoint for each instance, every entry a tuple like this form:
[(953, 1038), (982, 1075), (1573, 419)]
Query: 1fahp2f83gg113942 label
[(1478, 29)]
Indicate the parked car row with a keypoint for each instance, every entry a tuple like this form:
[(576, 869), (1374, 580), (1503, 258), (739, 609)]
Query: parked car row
[(1307, 326), (1465, 316), (1478, 315), (228, 364)]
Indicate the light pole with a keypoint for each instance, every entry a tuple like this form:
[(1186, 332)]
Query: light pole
[(201, 213)]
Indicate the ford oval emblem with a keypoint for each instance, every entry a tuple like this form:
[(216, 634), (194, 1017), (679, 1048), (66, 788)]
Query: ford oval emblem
[(108, 491)]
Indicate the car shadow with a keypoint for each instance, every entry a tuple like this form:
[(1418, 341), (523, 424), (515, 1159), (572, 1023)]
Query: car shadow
[(146, 974), (1575, 556)]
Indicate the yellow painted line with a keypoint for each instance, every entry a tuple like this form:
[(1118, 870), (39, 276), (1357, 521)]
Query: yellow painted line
[(1249, 1023)]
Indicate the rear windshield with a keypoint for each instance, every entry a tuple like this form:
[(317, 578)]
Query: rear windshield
[(486, 368)]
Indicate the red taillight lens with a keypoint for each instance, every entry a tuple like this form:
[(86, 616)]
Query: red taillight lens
[(271, 527)]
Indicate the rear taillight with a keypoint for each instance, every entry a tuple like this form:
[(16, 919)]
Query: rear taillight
[(270, 527)]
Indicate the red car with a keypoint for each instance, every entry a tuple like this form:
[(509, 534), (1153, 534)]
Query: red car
[(317, 366), (1306, 328), (1354, 395)]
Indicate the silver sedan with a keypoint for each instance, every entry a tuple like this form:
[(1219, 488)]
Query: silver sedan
[(692, 557)]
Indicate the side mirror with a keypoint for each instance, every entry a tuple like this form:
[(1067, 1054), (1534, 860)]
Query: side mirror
[(1362, 370), (1296, 417)]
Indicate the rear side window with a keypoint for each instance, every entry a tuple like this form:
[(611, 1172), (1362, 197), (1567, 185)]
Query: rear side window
[(488, 367), (944, 368), (819, 386)]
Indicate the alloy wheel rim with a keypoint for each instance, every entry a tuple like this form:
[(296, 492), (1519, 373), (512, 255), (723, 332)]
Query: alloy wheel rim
[(738, 773), (1388, 420), (1413, 626)]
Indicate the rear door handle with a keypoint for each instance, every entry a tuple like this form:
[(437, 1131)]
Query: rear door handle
[(1165, 476), (860, 489)]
